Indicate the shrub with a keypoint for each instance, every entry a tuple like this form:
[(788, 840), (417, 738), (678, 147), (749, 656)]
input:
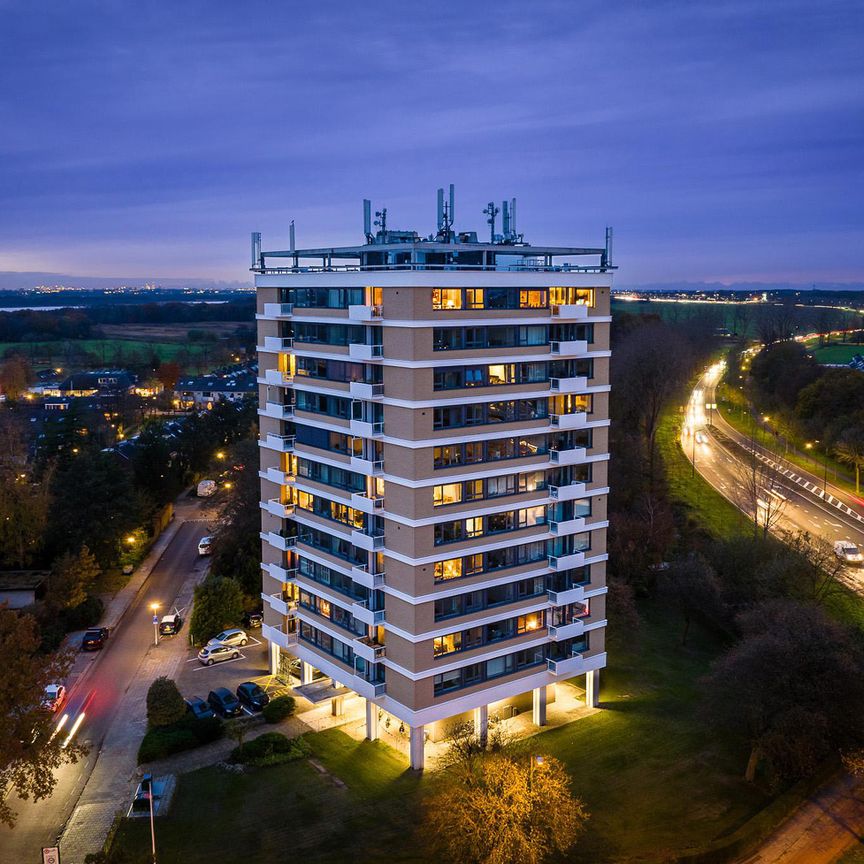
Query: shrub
[(188, 733), (276, 710), (84, 615), (165, 705), (271, 748)]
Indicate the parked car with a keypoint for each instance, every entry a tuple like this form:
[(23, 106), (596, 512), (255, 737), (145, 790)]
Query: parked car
[(204, 545), (211, 654), (224, 702), (170, 624), (94, 639), (253, 619), (206, 488), (230, 637), (198, 708), (848, 552), (252, 696), (55, 696)]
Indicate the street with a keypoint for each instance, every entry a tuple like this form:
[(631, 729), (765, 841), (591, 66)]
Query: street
[(98, 694)]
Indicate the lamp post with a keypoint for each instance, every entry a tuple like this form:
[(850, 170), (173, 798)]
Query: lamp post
[(154, 607), (147, 785), (710, 406), (538, 760)]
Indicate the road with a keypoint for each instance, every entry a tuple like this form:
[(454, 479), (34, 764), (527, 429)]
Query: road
[(99, 693), (831, 513)]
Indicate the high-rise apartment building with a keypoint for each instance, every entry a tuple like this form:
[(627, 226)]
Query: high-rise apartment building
[(434, 452)]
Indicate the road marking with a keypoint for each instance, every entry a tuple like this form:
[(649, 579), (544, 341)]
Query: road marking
[(220, 663)]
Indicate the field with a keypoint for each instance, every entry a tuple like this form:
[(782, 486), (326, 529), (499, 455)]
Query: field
[(108, 351), (838, 353), (653, 777)]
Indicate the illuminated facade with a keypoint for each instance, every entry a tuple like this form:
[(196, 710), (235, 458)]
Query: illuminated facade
[(434, 445)]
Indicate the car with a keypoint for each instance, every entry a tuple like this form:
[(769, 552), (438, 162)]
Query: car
[(206, 488), (198, 708), (253, 619), (252, 696), (848, 552), (204, 545), (224, 702), (211, 654), (94, 639), (700, 438), (170, 624), (55, 696), (230, 637)]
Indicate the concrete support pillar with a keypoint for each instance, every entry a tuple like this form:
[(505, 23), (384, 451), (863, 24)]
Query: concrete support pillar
[(417, 747), (336, 705), (592, 688), (481, 724), (371, 721), (274, 658), (539, 707), (306, 670)]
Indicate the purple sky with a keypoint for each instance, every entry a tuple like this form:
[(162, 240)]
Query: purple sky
[(723, 140)]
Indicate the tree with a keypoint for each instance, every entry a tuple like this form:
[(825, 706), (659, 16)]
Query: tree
[(218, 604), (849, 450), (15, 376), (464, 747), (691, 586), (165, 705), (72, 577), (168, 374), (506, 812), (758, 491), (29, 754), (793, 685), (813, 570)]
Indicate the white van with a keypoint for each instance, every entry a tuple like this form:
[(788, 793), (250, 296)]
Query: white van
[(206, 488)]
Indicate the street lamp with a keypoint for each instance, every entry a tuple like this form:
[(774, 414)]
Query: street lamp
[(709, 407), (154, 607), (533, 760)]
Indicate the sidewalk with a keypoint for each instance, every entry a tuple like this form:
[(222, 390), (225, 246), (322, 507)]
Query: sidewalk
[(109, 788), (828, 824)]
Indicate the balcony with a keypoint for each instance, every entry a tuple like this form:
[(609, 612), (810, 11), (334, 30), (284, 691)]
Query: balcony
[(367, 429), (574, 627), (370, 467), (368, 649), (276, 508), (369, 542), (576, 311), (275, 378), (575, 594), (361, 390), (568, 666), (278, 636), (278, 310), (278, 541), (276, 475), (278, 343), (279, 604), (363, 502), (362, 576), (367, 689), (364, 313), (565, 562), (360, 351), (279, 443), (568, 385), (361, 611), (283, 574), (278, 410), (568, 526), (576, 420), (575, 346), (573, 456), (568, 492)]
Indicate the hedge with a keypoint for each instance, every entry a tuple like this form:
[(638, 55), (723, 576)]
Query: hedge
[(271, 748), (186, 734)]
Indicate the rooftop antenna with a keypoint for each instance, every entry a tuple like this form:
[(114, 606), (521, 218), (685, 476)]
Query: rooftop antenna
[(367, 220), (505, 220), (513, 217), (291, 245), (452, 213), (608, 255), (257, 257), (440, 221), (381, 220), (491, 211)]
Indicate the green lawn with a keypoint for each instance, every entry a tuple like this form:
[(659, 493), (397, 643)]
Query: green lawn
[(837, 353), (653, 776), (65, 351)]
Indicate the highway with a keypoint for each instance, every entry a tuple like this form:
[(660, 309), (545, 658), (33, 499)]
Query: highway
[(721, 457), (96, 696)]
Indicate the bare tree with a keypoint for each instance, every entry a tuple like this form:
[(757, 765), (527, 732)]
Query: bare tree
[(850, 451), (815, 571), (759, 490)]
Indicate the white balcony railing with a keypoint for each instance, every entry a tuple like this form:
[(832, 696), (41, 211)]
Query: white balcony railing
[(568, 385), (280, 443), (278, 636), (370, 467), (576, 420), (573, 456), (575, 627), (367, 429), (277, 541), (364, 313), (275, 378), (568, 526), (368, 650), (362, 576), (278, 410), (568, 666), (568, 492), (574, 594), (360, 351), (361, 611), (570, 310), (369, 542), (362, 390), (277, 508), (278, 310), (365, 503), (278, 343), (565, 562), (574, 346), (279, 604)]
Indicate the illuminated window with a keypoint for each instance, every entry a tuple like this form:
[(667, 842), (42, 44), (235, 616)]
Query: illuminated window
[(449, 493), (527, 623), (473, 489), (532, 299), (450, 569), (474, 298), (446, 298), (501, 373), (324, 608), (570, 296), (473, 564), (474, 527), (447, 644), (533, 516)]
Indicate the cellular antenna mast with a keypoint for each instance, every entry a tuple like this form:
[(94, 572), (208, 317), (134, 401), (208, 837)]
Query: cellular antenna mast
[(381, 220), (491, 211), (445, 215)]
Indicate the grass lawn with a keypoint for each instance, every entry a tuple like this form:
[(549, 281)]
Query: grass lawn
[(837, 353), (654, 778), (64, 351)]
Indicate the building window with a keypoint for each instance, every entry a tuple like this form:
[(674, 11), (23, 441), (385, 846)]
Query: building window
[(449, 493), (449, 569), (446, 298), (447, 644), (570, 296)]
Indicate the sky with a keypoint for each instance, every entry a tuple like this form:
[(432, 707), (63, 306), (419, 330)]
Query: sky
[(724, 141)]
